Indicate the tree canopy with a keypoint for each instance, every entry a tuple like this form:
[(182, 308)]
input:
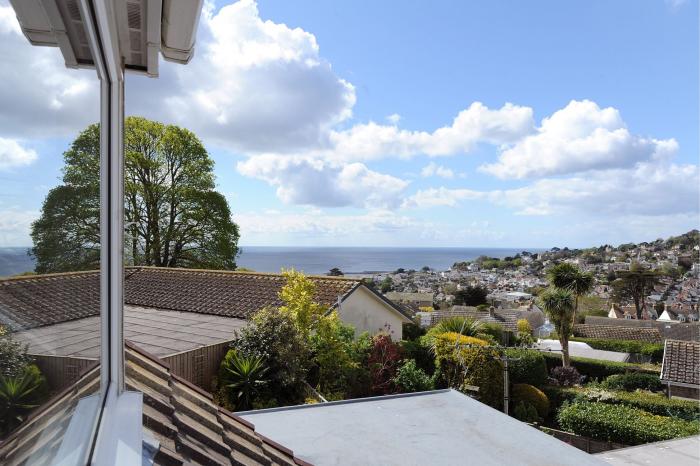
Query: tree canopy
[(173, 216)]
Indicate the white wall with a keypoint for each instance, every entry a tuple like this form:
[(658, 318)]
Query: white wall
[(368, 313)]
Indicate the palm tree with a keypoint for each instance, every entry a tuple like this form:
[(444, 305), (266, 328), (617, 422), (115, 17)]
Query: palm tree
[(17, 397), (569, 277), (244, 377), (559, 304)]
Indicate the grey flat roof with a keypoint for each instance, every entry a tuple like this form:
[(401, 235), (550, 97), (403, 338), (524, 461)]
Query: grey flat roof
[(442, 427), (679, 452), (583, 350), (160, 332)]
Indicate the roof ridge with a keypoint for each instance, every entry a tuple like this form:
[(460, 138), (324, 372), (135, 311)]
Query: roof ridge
[(234, 272), (40, 276)]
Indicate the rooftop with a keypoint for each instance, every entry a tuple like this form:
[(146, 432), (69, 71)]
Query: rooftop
[(679, 452), (438, 427), (681, 362)]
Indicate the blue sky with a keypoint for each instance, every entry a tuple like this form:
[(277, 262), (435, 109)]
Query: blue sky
[(358, 123)]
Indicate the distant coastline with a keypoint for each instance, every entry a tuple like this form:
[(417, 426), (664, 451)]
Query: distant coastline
[(318, 260)]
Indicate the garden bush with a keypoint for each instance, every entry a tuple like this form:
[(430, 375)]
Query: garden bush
[(633, 381), (242, 379), (412, 331), (622, 424), (654, 350), (525, 412), (559, 395), (653, 403), (419, 352), (477, 365), (595, 368), (528, 367), (410, 378), (383, 361), (522, 392), (19, 394), (13, 355), (565, 376)]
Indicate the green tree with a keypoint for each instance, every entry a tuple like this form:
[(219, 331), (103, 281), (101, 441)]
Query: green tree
[(570, 277), (634, 284), (173, 215), (471, 296), (559, 305)]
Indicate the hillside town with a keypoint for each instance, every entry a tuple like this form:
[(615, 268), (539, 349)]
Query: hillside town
[(673, 295)]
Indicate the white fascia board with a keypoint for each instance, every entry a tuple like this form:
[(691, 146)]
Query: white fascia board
[(179, 29)]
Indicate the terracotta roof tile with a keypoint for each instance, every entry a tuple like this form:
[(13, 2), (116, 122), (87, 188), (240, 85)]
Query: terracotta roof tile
[(34, 301), (681, 362), (188, 426)]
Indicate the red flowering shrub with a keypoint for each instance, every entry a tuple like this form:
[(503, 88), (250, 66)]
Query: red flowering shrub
[(384, 359)]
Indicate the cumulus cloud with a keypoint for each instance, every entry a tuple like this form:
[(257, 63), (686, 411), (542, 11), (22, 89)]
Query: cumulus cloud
[(577, 138), (433, 169), (12, 154), (649, 189), (40, 97), (306, 181)]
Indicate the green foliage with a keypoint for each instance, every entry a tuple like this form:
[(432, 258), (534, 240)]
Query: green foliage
[(174, 216), (595, 368), (525, 412), (243, 379), (420, 353), (654, 350), (653, 403), (412, 331), (13, 356), (560, 305), (274, 337), (635, 285), (470, 364), (410, 378), (524, 326), (386, 285), (617, 423), (527, 367), (533, 396), (471, 296), (383, 360), (19, 394), (633, 381), (496, 334), (298, 296), (332, 347), (462, 325), (490, 263)]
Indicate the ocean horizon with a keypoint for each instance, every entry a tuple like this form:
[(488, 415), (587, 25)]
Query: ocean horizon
[(319, 260)]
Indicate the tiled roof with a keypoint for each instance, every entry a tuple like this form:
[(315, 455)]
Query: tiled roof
[(681, 362), (189, 428), (615, 332), (505, 318), (34, 301)]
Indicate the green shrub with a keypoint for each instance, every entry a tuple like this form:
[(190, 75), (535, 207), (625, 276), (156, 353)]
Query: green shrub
[(412, 331), (13, 355), (525, 412), (595, 368), (528, 367), (459, 366), (410, 378), (531, 395), (653, 403), (633, 381), (242, 379), (462, 325), (497, 334), (559, 395), (419, 352), (19, 394), (654, 350), (622, 424)]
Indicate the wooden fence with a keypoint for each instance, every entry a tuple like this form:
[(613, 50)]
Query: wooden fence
[(586, 444), (61, 371), (200, 365)]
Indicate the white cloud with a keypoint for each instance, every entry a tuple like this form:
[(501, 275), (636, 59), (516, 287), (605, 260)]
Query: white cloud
[(577, 138), (15, 225), (39, 96), (394, 118), (12, 154), (433, 169), (306, 181), (649, 189)]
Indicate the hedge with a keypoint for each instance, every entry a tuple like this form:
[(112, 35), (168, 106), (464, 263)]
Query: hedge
[(654, 350), (419, 352), (527, 367), (633, 381), (622, 424), (531, 395), (650, 402), (596, 368)]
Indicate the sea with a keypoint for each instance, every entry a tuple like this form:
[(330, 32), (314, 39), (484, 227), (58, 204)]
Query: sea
[(318, 260)]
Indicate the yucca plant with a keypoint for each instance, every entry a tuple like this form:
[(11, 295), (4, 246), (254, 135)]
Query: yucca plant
[(244, 378), (18, 395), (462, 325)]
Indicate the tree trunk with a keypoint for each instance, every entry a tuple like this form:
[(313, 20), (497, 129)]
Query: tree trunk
[(565, 360)]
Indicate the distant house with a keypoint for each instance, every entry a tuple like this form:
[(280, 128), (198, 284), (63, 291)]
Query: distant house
[(416, 300), (185, 316), (680, 370), (679, 313), (630, 312)]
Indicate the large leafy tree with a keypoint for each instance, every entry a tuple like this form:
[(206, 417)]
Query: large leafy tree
[(173, 215), (559, 305), (635, 284)]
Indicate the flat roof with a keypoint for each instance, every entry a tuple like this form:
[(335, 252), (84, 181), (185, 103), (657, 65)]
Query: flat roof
[(437, 427), (679, 452), (160, 332)]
